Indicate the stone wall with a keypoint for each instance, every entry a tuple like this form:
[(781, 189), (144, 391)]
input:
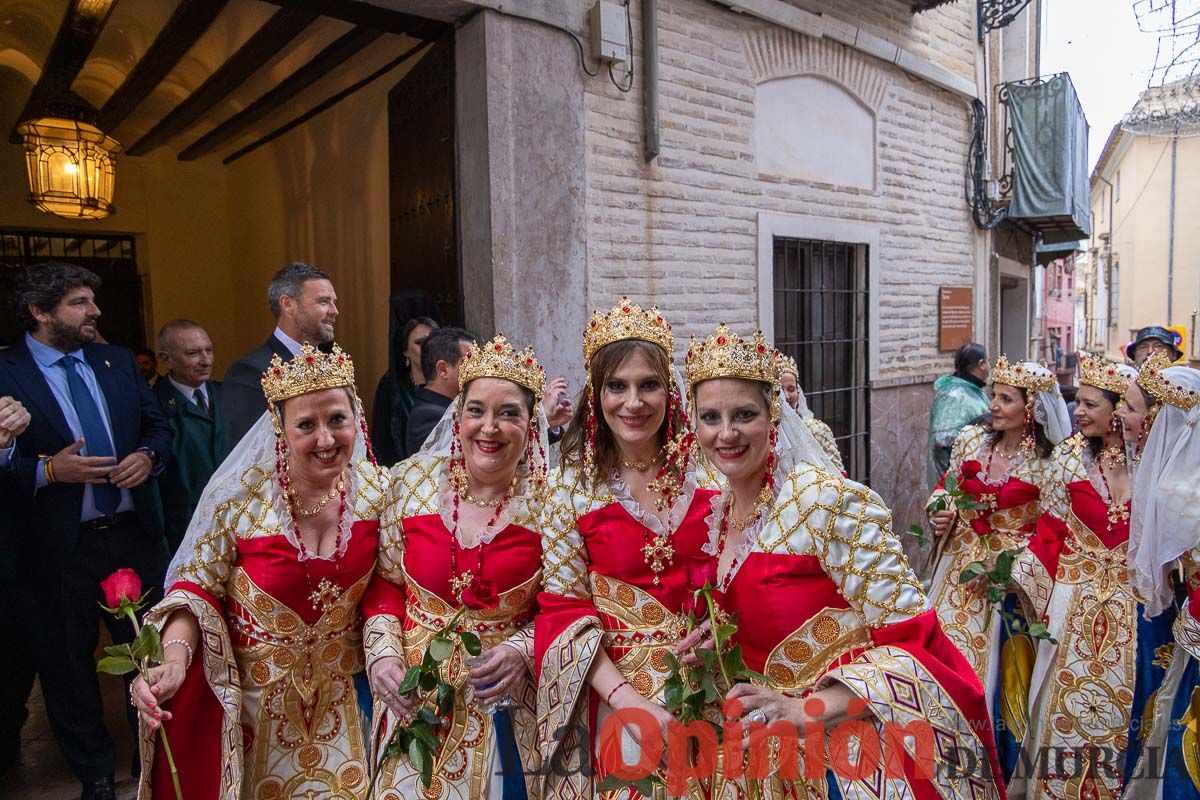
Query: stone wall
[(682, 230)]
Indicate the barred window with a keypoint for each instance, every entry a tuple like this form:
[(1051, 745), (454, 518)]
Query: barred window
[(821, 320), (113, 258)]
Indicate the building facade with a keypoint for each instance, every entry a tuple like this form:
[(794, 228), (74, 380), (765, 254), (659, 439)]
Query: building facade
[(1144, 250), (795, 166)]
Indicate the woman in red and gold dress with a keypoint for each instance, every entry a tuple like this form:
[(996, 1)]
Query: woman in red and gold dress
[(459, 539), (998, 473), (1083, 683), (623, 541), (826, 605), (260, 626)]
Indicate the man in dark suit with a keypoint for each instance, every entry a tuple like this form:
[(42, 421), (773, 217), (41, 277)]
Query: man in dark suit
[(189, 398), (16, 668), (305, 307), (441, 354), (81, 470)]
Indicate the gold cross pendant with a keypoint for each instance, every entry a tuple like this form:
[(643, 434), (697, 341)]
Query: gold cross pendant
[(459, 585), (325, 595), (658, 555)]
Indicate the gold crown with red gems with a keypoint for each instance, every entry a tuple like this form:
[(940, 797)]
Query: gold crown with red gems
[(1105, 374), (499, 359), (724, 354), (1158, 386), (626, 321), (1020, 374), (788, 366), (310, 370)]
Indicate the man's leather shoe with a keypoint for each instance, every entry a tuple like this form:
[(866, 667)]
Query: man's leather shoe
[(99, 790)]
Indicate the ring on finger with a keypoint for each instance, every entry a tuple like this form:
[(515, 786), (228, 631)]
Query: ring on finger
[(756, 715)]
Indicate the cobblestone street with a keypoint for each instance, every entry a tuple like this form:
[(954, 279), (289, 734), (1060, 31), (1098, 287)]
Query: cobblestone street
[(43, 773)]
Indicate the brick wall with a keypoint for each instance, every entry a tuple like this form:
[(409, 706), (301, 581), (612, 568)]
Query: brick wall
[(682, 231)]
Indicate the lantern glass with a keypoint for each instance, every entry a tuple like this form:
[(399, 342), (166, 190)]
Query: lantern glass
[(70, 166)]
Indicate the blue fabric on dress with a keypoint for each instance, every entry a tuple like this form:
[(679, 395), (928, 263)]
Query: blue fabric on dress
[(511, 772), (1151, 667)]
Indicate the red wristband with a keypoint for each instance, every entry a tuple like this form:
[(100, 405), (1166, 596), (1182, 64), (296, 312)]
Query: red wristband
[(608, 700)]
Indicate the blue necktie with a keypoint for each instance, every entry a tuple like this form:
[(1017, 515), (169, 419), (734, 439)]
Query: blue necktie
[(107, 496)]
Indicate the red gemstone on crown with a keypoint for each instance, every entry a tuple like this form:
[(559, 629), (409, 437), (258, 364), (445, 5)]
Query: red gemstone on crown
[(721, 340)]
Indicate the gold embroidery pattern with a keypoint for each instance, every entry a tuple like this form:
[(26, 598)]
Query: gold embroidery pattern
[(641, 627), (306, 733), (900, 691), (805, 654), (221, 672), (462, 768), (849, 529), (824, 437), (1093, 671), (564, 554)]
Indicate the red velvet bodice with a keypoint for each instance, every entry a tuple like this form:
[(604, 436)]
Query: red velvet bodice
[(614, 541), (773, 594), (510, 559), (271, 563)]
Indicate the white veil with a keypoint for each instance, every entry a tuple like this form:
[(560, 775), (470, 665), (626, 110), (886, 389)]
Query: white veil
[(256, 451), (1165, 520), (801, 404), (437, 445), (1049, 408), (796, 444)]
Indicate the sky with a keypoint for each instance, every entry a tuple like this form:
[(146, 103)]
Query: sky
[(1109, 58)]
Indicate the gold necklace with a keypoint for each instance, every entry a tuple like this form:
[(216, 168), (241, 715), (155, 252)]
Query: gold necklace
[(1113, 455), (760, 503), (309, 513), (467, 497), (639, 466)]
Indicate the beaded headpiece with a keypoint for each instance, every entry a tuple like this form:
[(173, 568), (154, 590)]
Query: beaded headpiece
[(1107, 375), (1160, 387), (626, 321), (788, 366), (310, 370), (724, 354), (1020, 374), (499, 359)]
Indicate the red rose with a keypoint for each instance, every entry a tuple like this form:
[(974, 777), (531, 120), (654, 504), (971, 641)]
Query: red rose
[(481, 594), (124, 584), (701, 572), (971, 468)]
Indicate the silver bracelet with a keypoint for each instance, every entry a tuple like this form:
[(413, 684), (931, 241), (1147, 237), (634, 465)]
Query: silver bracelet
[(190, 652)]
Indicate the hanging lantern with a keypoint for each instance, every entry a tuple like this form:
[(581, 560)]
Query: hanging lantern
[(70, 163)]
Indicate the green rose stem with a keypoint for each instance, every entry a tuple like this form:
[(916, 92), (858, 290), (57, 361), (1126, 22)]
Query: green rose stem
[(144, 670)]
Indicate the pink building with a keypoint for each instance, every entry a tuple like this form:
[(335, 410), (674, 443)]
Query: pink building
[(1058, 315)]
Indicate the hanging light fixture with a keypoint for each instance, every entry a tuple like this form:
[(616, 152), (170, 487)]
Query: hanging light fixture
[(71, 162)]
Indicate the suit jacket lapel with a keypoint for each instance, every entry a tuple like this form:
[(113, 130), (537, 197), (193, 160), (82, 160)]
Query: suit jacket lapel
[(30, 379), (279, 348)]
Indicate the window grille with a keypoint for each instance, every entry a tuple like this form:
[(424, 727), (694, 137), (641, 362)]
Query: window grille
[(821, 320), (113, 258)]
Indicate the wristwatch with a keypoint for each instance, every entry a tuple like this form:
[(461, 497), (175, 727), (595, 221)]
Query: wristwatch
[(153, 455)]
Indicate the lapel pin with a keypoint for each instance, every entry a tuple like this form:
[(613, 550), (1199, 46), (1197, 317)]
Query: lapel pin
[(107, 364)]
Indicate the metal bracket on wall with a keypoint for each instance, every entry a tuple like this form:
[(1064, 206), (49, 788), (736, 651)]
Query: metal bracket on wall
[(992, 15)]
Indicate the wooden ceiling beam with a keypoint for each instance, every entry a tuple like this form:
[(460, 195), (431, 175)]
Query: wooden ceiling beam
[(187, 24), (367, 15), (326, 104), (332, 56), (275, 34), (73, 43)]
